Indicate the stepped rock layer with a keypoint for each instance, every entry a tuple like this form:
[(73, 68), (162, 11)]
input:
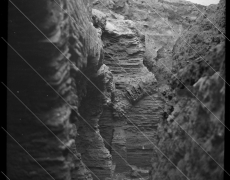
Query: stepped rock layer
[(159, 22), (101, 74), (90, 142), (135, 101), (135, 37)]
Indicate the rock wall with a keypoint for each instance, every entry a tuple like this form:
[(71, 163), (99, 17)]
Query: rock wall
[(102, 78), (136, 43), (162, 46), (197, 44), (192, 132), (135, 100), (90, 143), (59, 49)]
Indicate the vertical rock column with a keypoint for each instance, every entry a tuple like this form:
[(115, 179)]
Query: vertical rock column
[(90, 142), (124, 56), (47, 134)]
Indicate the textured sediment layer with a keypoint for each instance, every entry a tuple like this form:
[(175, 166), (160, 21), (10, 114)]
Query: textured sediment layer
[(103, 81), (57, 48), (135, 101), (90, 142), (192, 132)]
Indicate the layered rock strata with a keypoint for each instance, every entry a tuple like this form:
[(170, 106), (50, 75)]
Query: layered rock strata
[(160, 23), (60, 50), (82, 118), (135, 101), (89, 142)]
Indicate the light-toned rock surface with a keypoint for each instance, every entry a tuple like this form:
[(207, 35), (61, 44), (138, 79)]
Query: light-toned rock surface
[(134, 84)]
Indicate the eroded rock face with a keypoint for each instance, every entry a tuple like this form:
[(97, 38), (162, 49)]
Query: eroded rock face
[(197, 44), (60, 49), (134, 96), (135, 36), (106, 64), (197, 113), (90, 143)]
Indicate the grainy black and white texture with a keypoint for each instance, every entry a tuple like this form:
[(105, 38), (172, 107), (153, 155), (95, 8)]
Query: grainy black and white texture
[(111, 81)]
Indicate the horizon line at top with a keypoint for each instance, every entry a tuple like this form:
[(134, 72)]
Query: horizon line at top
[(204, 2)]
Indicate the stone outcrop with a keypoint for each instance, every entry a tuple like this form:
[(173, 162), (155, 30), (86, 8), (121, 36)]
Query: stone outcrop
[(200, 38), (101, 93), (201, 119), (136, 43), (90, 143), (163, 23), (59, 59), (135, 101), (196, 111)]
